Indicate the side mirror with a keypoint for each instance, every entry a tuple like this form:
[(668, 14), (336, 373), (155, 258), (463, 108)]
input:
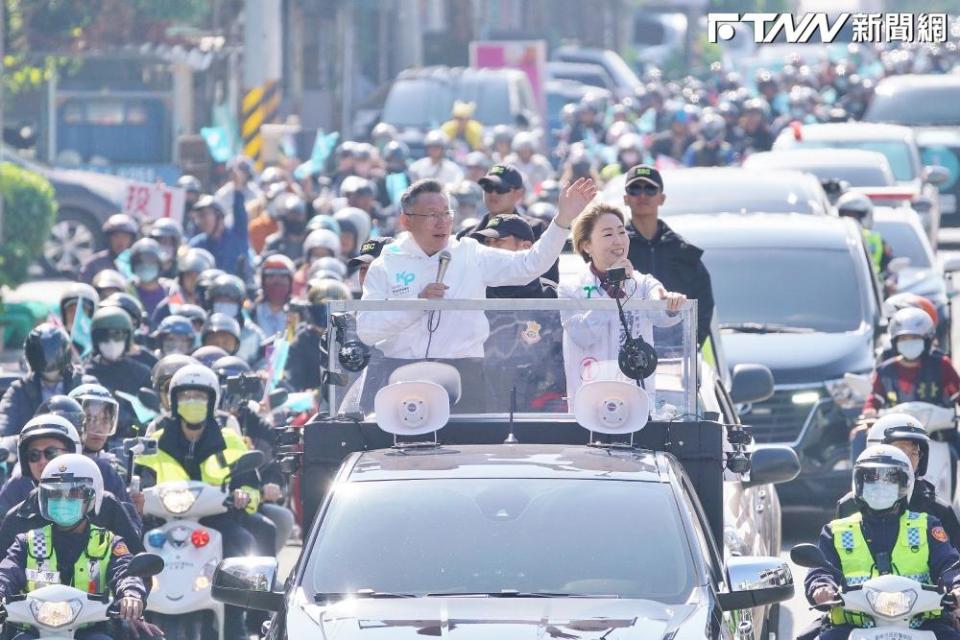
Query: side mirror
[(898, 264), (756, 581), (936, 174), (149, 398), (751, 383), (144, 565), (951, 264), (773, 464), (809, 556), (248, 582), (250, 461)]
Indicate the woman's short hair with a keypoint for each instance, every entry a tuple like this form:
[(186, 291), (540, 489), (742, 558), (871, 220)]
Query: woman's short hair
[(586, 221)]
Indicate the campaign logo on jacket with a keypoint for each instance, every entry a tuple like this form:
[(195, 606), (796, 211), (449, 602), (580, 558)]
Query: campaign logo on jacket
[(402, 282)]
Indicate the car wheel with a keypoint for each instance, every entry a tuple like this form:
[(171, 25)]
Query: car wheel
[(74, 237)]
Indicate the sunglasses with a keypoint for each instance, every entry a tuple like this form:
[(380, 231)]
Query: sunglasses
[(499, 188), (34, 455), (646, 189)]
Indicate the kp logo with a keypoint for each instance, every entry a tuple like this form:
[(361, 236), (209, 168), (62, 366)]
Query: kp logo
[(405, 278)]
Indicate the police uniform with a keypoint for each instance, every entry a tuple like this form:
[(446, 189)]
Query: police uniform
[(911, 544)]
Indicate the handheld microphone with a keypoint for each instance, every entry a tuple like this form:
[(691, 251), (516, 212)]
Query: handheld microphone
[(444, 263), (444, 258)]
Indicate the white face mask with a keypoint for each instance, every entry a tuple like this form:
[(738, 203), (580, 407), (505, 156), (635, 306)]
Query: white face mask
[(112, 349), (911, 348), (226, 308), (880, 496)]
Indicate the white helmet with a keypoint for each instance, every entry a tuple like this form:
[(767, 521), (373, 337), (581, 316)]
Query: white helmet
[(195, 376), (72, 476), (911, 322), (895, 427), (883, 478), (322, 239), (356, 220)]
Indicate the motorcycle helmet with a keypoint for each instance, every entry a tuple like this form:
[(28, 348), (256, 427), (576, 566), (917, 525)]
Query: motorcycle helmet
[(883, 479), (65, 407), (226, 295), (857, 206), (120, 223), (74, 293), (175, 335), (321, 239), (47, 349), (195, 260), (146, 258), (911, 332), (70, 488), (194, 377), (46, 426), (906, 300), (101, 414), (163, 371), (108, 282), (111, 325), (208, 354), (130, 304), (895, 427), (218, 325)]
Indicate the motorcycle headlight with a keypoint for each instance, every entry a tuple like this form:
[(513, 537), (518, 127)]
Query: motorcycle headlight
[(55, 614), (894, 604), (845, 396), (178, 501), (205, 579)]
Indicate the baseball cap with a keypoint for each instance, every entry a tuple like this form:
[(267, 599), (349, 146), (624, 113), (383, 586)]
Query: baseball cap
[(505, 226), (645, 173), (502, 174), (370, 250)]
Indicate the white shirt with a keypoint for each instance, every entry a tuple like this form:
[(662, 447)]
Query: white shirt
[(591, 339), (403, 270), (446, 171)]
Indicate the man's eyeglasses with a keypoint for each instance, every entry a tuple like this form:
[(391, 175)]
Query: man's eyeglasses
[(34, 455), (499, 188), (646, 189), (445, 216)]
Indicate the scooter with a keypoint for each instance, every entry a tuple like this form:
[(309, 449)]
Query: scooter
[(892, 601), (181, 602), (57, 611)]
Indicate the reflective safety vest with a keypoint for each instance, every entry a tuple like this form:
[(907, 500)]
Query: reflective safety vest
[(213, 470), (90, 570), (910, 558), (874, 243)]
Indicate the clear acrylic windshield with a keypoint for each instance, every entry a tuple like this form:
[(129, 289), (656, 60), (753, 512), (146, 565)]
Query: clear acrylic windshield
[(526, 355)]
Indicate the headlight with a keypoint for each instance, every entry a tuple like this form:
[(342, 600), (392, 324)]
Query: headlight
[(178, 500), (205, 578), (844, 395), (55, 614), (891, 604)]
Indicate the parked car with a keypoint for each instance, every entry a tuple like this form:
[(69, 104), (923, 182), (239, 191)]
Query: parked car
[(926, 104), (624, 78), (917, 183), (421, 99), (733, 190), (84, 201), (795, 293)]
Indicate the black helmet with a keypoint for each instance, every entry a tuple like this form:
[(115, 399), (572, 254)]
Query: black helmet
[(130, 304), (195, 260), (120, 223), (218, 323), (109, 279), (47, 348), (209, 354), (78, 291), (194, 313), (65, 407), (227, 286), (204, 281), (46, 426), (175, 335), (164, 369), (108, 319), (229, 366), (395, 152)]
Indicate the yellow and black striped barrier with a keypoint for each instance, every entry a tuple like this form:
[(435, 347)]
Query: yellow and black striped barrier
[(259, 107)]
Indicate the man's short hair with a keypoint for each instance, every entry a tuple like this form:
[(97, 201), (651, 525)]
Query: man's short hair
[(427, 185)]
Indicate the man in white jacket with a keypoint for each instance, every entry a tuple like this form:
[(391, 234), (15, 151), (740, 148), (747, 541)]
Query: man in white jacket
[(407, 269)]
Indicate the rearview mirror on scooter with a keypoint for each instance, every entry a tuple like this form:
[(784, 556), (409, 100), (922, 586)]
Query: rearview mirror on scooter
[(144, 565), (149, 398), (809, 556), (250, 461)]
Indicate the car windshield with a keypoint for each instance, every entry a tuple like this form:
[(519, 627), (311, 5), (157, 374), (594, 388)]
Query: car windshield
[(480, 535), (897, 153), (857, 176), (768, 196), (419, 103), (917, 106), (491, 94), (904, 242), (748, 288)]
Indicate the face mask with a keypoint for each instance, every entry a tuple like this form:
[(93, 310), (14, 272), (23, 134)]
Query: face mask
[(193, 412), (112, 350), (910, 349), (147, 272), (226, 308), (65, 512), (880, 496)]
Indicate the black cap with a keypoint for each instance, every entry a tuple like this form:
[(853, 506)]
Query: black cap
[(370, 250), (502, 174), (505, 226), (645, 173)]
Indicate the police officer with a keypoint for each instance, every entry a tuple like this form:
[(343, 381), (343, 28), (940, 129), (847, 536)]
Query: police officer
[(884, 537), (860, 208), (907, 434), (160, 377), (47, 350), (513, 233), (192, 446), (69, 549), (121, 231)]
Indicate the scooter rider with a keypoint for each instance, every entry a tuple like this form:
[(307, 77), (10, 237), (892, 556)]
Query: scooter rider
[(884, 537), (907, 434), (192, 446), (69, 549)]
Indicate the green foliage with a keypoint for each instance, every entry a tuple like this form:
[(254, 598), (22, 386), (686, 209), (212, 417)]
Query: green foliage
[(29, 210)]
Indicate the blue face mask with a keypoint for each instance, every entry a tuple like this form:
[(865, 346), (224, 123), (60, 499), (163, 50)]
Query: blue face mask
[(147, 272), (65, 512)]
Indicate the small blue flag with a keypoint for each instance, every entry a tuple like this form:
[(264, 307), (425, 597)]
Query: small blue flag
[(80, 333)]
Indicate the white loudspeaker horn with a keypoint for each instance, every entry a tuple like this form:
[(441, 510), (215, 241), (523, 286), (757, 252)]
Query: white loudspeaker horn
[(612, 407), (412, 408)]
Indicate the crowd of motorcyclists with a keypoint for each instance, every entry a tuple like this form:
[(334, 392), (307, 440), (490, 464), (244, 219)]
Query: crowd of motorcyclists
[(179, 333)]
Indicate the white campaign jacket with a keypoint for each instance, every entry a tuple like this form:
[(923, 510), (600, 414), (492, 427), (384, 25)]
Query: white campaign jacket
[(403, 270), (591, 339)]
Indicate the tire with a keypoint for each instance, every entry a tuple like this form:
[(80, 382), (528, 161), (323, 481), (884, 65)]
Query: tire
[(74, 237)]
